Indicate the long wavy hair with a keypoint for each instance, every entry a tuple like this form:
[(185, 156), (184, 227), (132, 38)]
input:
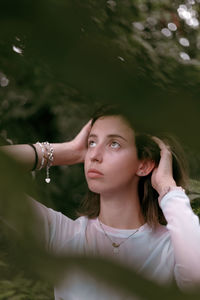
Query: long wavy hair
[(146, 149)]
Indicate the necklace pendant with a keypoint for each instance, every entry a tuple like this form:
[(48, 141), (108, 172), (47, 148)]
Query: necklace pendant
[(115, 245), (116, 250)]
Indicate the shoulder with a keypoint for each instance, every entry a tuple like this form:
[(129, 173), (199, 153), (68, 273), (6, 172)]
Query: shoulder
[(160, 230), (56, 223), (160, 243), (64, 222), (161, 235), (66, 234)]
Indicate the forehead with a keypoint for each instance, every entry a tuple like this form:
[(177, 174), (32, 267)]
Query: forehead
[(111, 125)]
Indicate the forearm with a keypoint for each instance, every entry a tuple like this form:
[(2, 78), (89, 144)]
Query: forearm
[(63, 154), (67, 153), (23, 153), (184, 229)]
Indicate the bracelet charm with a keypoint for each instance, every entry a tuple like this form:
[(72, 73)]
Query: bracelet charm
[(50, 158), (47, 154)]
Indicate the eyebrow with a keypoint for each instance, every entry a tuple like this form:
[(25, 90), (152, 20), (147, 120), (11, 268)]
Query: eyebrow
[(109, 136)]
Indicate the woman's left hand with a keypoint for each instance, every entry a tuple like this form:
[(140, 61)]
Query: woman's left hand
[(162, 175)]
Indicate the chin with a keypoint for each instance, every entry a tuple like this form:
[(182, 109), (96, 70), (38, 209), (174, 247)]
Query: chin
[(99, 189), (95, 188)]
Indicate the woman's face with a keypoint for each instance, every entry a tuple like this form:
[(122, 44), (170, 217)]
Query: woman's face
[(111, 160)]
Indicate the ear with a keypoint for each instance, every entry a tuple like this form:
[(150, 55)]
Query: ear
[(145, 167)]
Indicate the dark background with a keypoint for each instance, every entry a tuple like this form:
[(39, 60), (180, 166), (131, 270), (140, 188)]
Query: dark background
[(60, 59)]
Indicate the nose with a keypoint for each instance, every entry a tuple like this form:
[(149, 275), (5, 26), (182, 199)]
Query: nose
[(96, 154)]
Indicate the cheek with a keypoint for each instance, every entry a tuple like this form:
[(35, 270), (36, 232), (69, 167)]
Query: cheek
[(87, 155), (85, 163), (127, 163)]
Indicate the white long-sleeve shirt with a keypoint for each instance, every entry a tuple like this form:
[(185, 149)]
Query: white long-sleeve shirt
[(162, 255)]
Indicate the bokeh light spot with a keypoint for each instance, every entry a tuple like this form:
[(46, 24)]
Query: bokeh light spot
[(172, 26), (184, 56), (17, 50), (138, 25), (4, 81), (166, 32), (121, 58), (184, 42)]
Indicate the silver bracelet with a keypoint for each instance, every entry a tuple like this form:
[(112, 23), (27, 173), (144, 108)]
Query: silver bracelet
[(47, 153), (50, 158), (43, 155)]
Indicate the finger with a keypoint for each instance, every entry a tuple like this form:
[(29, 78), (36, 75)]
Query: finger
[(161, 144), (86, 129), (165, 162), (88, 125)]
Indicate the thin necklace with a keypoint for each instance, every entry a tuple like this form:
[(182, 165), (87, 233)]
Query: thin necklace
[(114, 244)]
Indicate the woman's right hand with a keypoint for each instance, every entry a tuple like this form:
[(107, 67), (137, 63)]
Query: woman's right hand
[(72, 152), (79, 143)]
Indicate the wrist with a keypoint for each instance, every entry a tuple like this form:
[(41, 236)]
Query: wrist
[(167, 189), (66, 154), (61, 156), (165, 186)]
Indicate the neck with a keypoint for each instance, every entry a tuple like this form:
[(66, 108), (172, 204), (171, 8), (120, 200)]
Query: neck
[(121, 210)]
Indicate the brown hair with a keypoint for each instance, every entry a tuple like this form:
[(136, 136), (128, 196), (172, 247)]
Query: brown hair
[(146, 149)]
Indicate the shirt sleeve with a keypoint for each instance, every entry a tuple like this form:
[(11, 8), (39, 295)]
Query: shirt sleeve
[(184, 229), (55, 230)]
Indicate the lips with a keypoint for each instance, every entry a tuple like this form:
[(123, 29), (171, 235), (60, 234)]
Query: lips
[(93, 173)]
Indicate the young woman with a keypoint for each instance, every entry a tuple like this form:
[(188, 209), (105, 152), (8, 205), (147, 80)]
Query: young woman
[(135, 185)]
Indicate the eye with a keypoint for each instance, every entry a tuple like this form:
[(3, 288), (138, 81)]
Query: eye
[(115, 145), (91, 144)]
